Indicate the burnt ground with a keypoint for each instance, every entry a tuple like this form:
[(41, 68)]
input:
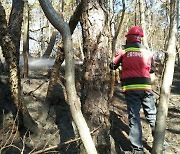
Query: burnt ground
[(56, 127)]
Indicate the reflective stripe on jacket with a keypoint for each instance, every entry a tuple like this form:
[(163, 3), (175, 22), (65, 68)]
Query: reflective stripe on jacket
[(136, 66)]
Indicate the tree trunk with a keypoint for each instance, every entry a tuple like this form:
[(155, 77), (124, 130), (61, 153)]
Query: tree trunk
[(97, 75), (115, 73), (118, 30), (49, 49), (26, 38), (143, 22), (15, 23), (166, 84), (11, 53), (73, 100), (54, 77), (60, 56)]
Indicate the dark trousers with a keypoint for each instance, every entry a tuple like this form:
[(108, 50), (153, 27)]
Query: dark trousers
[(135, 100)]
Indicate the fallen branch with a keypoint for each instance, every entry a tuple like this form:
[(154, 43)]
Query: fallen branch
[(64, 143), (156, 92), (32, 91)]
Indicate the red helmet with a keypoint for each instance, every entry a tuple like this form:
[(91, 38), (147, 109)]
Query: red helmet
[(136, 30)]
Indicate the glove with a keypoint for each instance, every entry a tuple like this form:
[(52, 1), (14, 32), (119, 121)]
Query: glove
[(113, 66)]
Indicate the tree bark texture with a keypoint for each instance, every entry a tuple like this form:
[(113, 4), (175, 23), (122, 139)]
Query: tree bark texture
[(97, 74), (73, 100), (10, 49), (166, 83), (15, 23)]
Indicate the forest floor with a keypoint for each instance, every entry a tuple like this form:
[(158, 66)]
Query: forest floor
[(56, 127)]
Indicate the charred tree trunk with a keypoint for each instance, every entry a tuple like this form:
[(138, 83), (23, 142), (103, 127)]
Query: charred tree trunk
[(10, 48), (49, 49), (15, 24), (54, 78), (97, 75)]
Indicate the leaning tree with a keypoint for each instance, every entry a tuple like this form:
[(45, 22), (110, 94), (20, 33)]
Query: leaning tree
[(167, 82)]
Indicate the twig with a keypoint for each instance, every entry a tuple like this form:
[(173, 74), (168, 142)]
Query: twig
[(156, 92), (66, 142), (23, 143), (45, 150), (32, 91), (11, 145), (50, 139)]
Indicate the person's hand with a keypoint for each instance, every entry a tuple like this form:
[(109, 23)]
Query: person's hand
[(113, 66)]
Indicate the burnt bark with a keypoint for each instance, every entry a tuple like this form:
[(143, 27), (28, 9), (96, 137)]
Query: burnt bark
[(54, 77), (10, 48), (97, 74)]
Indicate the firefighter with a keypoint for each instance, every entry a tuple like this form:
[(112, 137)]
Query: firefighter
[(137, 64)]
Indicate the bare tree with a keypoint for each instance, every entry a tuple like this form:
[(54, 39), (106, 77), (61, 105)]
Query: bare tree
[(26, 38), (73, 100), (143, 21), (115, 32), (119, 24), (167, 82)]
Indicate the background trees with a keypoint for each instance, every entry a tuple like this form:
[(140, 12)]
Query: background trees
[(98, 29)]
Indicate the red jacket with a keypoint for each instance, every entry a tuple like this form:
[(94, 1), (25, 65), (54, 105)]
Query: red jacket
[(137, 64)]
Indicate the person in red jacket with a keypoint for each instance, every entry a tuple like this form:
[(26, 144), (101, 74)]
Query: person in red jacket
[(137, 64)]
